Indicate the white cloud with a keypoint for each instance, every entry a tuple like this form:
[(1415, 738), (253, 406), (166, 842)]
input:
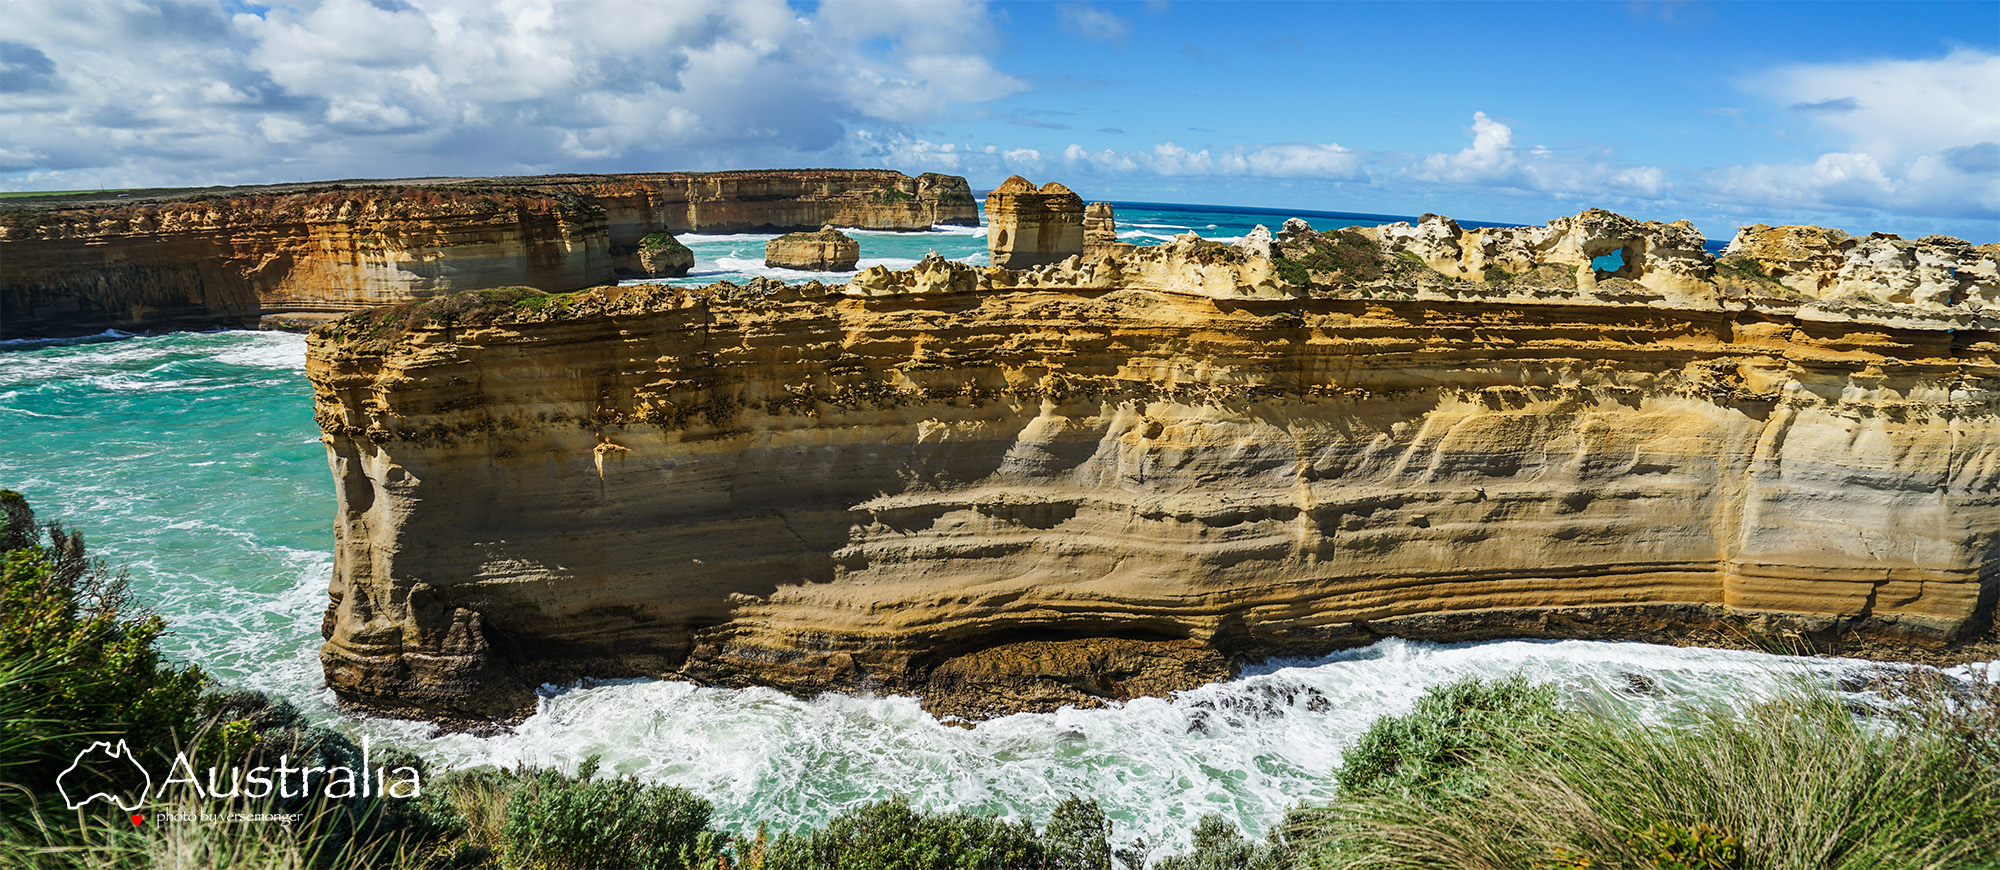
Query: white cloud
[(1896, 110), (1091, 22), (114, 92), (1490, 159), (1295, 161)]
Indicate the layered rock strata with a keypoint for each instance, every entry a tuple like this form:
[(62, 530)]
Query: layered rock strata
[(228, 261), (828, 250), (1028, 226), (195, 259), (1100, 226), (1117, 475), (769, 200)]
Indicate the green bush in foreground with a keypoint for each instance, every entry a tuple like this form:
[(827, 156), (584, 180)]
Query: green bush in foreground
[(77, 659), (556, 821), (1451, 727), (891, 836)]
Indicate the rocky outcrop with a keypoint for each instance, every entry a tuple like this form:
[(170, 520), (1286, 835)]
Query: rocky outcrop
[(230, 260), (1118, 475), (658, 255), (828, 250), (1100, 226), (1028, 227), (229, 256), (1932, 272), (769, 200), (1667, 259)]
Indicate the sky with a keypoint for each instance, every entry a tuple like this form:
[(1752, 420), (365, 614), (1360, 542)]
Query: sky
[(1857, 115)]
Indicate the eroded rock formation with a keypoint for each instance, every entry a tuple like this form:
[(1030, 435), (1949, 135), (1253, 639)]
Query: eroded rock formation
[(769, 200), (1117, 474), (1664, 258), (226, 261), (1027, 227), (196, 259), (828, 250), (1100, 226), (1819, 263), (658, 255)]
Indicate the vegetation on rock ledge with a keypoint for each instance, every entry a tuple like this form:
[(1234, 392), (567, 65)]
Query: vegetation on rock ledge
[(1341, 257)]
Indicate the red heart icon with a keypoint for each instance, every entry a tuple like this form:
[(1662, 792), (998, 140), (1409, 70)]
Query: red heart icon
[(136, 818)]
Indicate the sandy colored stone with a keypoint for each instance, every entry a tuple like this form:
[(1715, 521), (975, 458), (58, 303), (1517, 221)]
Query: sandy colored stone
[(192, 260), (828, 250), (1666, 260), (1029, 226), (1100, 226), (226, 261), (824, 488), (658, 255)]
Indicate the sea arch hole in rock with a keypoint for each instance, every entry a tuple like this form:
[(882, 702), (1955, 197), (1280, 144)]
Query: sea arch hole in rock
[(1609, 264)]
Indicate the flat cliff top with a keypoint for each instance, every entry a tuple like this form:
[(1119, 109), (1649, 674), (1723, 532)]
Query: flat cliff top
[(325, 204), (67, 201)]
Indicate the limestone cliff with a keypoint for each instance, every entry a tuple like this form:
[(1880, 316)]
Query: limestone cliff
[(828, 250), (1117, 474), (769, 200), (1028, 226), (228, 260), (226, 257)]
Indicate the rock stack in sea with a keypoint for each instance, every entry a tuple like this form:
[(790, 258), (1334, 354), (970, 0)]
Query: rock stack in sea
[(828, 250), (658, 255), (1100, 226), (1029, 227)]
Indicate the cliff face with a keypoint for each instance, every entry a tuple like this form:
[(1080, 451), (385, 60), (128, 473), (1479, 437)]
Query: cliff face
[(227, 261), (1103, 478), (771, 200), (828, 250), (1028, 226)]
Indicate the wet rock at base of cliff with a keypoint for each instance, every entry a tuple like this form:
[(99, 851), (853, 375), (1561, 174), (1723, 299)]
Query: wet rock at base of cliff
[(828, 250), (1044, 675)]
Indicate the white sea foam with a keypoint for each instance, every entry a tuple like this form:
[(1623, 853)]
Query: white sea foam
[(740, 239), (276, 350), (1248, 748)]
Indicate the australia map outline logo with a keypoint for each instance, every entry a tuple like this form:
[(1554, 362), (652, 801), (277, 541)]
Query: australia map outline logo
[(95, 784)]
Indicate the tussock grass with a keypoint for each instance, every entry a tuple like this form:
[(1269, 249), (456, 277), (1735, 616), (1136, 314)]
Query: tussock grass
[(1799, 782)]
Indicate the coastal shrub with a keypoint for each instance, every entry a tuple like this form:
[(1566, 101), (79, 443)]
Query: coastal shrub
[(1451, 728), (1219, 846), (79, 663), (890, 835), (383, 326), (1078, 836), (661, 242), (79, 656), (556, 821), (1339, 257), (1792, 783)]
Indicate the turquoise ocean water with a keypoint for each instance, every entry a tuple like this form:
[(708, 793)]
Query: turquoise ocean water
[(192, 460)]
